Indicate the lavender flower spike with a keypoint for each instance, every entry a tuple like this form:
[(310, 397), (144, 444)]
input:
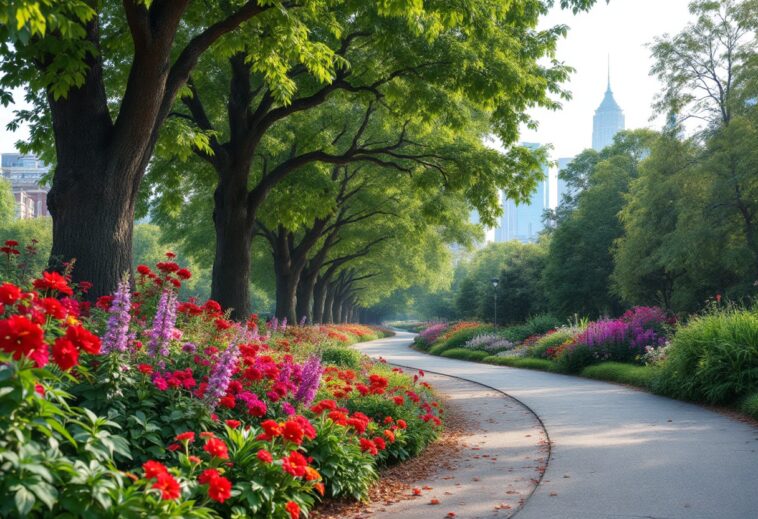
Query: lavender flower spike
[(309, 380), (117, 335), (163, 325), (221, 374)]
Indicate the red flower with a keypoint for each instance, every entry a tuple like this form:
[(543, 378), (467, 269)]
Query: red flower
[(143, 270), (292, 508), (147, 369), (188, 436), (184, 273), (22, 338), (104, 302), (295, 464), (293, 432), (219, 489), (399, 400), (227, 401), (9, 293), (53, 281), (207, 475), (212, 307), (401, 423), (265, 456), (11, 243), (233, 423), (84, 339), (52, 307), (369, 446), (65, 353), (216, 448), (153, 469), (389, 435), (194, 459), (271, 428), (168, 486), (380, 444), (173, 447)]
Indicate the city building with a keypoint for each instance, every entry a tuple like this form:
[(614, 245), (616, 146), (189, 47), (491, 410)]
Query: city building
[(608, 120), (561, 185), (523, 222), (25, 173)]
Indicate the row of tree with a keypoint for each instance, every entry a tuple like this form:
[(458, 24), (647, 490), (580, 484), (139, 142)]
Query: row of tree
[(245, 118), (657, 218)]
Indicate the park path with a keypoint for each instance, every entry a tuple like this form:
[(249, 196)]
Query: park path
[(616, 452)]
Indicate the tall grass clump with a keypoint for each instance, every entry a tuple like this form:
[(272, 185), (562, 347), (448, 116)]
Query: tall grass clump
[(713, 358)]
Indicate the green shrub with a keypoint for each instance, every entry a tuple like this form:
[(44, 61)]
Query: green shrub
[(464, 354), (459, 338), (749, 405), (575, 358), (640, 376), (347, 471), (553, 340), (523, 362), (713, 358), (542, 323), (343, 357)]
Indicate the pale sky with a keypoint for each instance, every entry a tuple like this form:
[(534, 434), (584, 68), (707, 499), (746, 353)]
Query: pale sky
[(620, 29)]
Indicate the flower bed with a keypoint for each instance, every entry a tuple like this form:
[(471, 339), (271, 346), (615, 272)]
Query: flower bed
[(143, 405)]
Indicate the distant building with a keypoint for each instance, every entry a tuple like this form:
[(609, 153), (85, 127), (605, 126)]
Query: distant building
[(25, 173), (562, 186), (523, 222), (608, 120)]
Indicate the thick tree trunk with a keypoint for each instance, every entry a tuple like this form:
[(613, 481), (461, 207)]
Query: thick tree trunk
[(286, 296), (306, 295), (231, 265), (339, 306)]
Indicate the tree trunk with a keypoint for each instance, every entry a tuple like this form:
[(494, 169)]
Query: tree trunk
[(319, 301), (231, 265), (286, 296), (329, 305)]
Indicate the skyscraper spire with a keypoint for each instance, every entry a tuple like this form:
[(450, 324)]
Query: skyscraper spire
[(609, 118)]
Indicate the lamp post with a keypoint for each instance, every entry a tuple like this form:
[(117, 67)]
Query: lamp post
[(495, 282)]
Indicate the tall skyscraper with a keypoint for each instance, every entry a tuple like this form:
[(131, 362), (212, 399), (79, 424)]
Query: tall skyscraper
[(523, 222), (608, 120)]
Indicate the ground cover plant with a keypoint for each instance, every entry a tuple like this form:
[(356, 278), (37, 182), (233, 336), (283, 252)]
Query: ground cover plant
[(711, 357), (144, 405)]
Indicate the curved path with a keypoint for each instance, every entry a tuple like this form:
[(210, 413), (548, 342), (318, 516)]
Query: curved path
[(616, 452)]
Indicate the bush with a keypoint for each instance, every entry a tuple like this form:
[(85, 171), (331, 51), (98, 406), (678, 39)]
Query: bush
[(464, 354), (749, 405), (550, 342), (430, 335), (713, 358), (341, 356), (459, 338), (640, 376), (573, 358)]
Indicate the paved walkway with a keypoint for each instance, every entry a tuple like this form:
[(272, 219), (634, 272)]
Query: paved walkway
[(617, 452)]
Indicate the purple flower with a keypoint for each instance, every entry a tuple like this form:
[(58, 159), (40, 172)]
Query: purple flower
[(189, 347), (221, 374), (284, 325), (163, 325), (310, 379), (288, 409), (117, 335), (303, 320)]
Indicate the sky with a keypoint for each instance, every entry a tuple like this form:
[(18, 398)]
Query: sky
[(621, 29)]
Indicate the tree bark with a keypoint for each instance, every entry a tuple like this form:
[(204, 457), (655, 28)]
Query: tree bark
[(319, 300), (231, 265), (329, 304)]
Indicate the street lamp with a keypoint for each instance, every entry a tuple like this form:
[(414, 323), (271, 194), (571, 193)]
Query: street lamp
[(495, 282)]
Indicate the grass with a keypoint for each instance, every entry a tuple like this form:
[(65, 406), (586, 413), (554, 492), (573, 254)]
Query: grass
[(523, 362), (640, 376), (464, 354)]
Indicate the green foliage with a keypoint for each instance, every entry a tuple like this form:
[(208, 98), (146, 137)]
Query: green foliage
[(341, 356), (7, 202), (459, 338), (30, 232), (464, 354), (640, 376), (536, 325), (749, 405), (713, 358), (574, 358), (522, 362), (552, 340), (347, 471)]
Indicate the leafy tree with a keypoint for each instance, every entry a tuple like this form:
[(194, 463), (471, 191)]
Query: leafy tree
[(580, 262), (7, 202), (102, 78)]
